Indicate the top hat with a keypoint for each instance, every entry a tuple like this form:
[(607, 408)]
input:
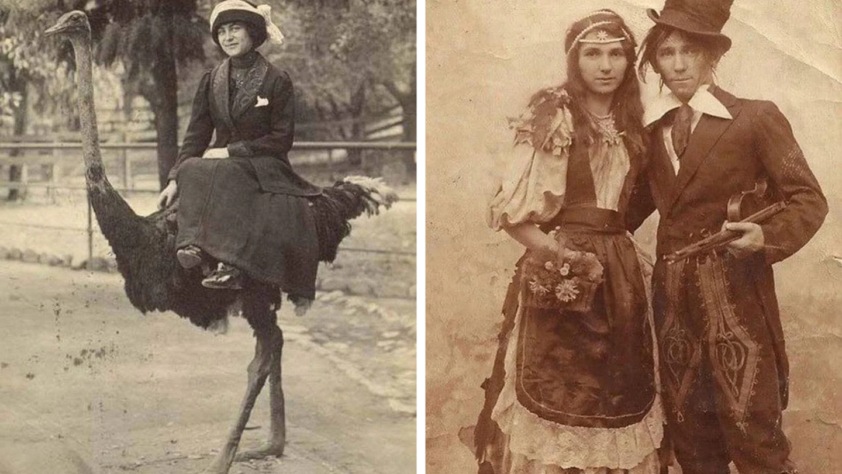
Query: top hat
[(697, 17)]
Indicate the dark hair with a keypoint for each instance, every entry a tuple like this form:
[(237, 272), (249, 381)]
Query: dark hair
[(626, 106), (712, 47)]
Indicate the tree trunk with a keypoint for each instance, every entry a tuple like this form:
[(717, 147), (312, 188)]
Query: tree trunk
[(410, 114), (165, 104), (357, 127), (20, 116), (409, 104)]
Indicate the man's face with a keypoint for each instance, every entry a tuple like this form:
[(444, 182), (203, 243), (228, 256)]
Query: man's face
[(683, 66)]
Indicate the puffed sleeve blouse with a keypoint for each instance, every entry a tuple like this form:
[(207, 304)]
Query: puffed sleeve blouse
[(532, 189)]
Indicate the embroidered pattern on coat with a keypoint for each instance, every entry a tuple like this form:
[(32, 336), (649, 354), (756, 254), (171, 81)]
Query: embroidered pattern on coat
[(680, 353), (733, 353), (244, 97)]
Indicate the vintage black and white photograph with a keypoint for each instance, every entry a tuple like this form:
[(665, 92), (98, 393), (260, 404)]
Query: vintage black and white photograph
[(208, 256), (633, 262)]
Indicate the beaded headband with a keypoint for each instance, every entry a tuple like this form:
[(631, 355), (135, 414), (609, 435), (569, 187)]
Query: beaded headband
[(602, 35)]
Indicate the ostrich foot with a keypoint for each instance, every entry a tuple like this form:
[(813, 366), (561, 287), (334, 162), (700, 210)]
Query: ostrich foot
[(268, 449)]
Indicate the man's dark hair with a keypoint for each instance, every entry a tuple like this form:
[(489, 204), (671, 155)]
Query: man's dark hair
[(711, 46)]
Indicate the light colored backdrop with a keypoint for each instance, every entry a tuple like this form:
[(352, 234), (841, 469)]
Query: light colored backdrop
[(484, 59)]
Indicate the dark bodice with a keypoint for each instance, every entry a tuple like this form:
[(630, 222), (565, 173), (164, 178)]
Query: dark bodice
[(580, 203)]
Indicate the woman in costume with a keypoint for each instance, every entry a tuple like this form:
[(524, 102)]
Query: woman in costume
[(573, 388), (241, 206)]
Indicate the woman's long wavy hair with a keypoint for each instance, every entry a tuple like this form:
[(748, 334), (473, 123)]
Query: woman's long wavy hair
[(627, 106)]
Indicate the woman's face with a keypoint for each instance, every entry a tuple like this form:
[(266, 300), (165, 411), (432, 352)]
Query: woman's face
[(234, 38), (602, 66)]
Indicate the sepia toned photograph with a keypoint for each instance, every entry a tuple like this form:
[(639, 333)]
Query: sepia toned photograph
[(208, 257), (632, 237)]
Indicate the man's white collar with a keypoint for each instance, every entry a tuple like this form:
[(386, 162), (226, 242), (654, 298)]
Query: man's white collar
[(702, 101)]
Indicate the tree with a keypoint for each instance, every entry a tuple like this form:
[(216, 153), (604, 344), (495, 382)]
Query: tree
[(151, 38), (29, 66), (345, 53)]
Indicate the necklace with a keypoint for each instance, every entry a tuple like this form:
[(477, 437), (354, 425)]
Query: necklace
[(599, 117), (606, 127)]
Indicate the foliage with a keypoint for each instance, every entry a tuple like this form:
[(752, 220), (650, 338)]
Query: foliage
[(151, 38), (135, 32), (345, 55), (29, 60)]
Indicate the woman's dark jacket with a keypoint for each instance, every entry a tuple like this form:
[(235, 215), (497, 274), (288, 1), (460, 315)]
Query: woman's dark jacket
[(260, 125)]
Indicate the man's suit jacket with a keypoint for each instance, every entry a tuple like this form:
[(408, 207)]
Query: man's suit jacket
[(722, 158)]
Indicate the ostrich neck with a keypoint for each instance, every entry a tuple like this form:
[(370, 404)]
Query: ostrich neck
[(94, 170), (117, 221)]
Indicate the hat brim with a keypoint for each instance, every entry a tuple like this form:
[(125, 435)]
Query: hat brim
[(687, 28), (232, 15)]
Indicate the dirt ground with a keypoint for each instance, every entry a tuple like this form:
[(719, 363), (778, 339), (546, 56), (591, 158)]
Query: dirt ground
[(89, 385)]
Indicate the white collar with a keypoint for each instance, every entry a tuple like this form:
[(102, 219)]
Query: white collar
[(702, 101)]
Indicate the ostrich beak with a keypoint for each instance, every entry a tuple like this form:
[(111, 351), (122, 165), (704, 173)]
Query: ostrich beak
[(55, 29), (64, 22)]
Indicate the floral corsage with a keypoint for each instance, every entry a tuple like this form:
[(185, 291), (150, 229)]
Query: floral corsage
[(566, 280)]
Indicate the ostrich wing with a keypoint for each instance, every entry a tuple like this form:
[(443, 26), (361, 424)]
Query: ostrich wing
[(144, 248)]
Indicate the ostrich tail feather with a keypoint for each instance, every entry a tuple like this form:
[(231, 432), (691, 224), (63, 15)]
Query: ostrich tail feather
[(346, 200)]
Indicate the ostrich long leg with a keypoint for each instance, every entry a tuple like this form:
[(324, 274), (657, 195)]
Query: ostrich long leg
[(266, 348), (277, 429)]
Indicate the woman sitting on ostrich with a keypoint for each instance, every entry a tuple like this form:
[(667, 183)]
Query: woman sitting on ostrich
[(241, 205), (248, 210)]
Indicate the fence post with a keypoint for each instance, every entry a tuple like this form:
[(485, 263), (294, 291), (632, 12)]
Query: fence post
[(127, 166), (331, 177), (90, 230)]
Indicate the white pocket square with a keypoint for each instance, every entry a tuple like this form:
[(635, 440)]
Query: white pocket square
[(261, 101)]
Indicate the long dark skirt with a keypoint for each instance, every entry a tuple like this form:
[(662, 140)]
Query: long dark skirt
[(271, 237)]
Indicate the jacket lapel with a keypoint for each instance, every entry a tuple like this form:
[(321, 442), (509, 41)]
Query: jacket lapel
[(221, 92), (246, 97), (702, 140)]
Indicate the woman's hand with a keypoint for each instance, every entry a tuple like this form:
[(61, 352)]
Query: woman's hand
[(168, 195), (215, 153)]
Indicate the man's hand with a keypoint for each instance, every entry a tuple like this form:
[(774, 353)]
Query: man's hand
[(215, 153), (751, 240), (168, 195)]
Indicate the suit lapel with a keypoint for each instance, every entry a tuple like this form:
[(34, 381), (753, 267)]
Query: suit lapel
[(704, 137)]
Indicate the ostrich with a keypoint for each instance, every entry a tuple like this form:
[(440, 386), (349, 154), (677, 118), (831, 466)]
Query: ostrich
[(145, 251)]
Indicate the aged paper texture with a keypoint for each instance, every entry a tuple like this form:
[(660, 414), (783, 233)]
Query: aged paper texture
[(484, 59)]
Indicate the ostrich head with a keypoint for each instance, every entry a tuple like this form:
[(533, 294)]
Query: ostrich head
[(72, 24)]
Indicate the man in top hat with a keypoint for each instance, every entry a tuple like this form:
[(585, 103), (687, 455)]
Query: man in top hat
[(723, 364)]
